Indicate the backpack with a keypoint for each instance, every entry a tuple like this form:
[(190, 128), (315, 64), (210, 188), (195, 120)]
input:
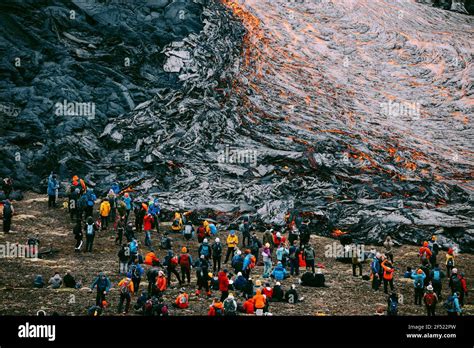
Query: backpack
[(174, 260), (230, 306), (436, 276), (164, 311), (430, 299), (90, 229), (393, 306), (176, 223), (124, 290), (418, 283), (253, 260), (184, 260), (149, 307), (7, 210), (449, 304), (183, 299), (205, 250), (217, 248), (134, 272), (188, 231), (456, 283), (450, 263)]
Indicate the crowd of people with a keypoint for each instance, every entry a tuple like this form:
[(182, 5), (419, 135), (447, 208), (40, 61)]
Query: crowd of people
[(223, 264)]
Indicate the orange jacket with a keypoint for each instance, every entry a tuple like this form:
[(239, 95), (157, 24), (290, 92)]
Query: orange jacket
[(149, 258), (130, 284), (425, 250), (212, 310), (259, 300), (387, 271), (161, 283), (182, 304)]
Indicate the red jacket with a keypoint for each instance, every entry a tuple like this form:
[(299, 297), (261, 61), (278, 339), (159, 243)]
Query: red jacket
[(268, 292), (148, 222), (223, 281), (248, 306)]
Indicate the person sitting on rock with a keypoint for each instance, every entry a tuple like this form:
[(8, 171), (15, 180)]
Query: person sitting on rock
[(69, 281), (39, 282), (182, 301), (277, 294), (55, 281)]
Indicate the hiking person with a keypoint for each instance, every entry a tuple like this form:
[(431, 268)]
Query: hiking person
[(375, 268), (268, 292), (135, 272), (244, 228), (154, 209), (171, 263), (72, 203), (223, 284), (430, 299), (240, 282), (452, 305), (127, 289), (305, 233), (201, 233), (436, 276), (161, 283), (291, 296), (55, 281), (388, 271), (133, 249), (216, 309), (151, 276), (449, 261), (255, 246), (103, 284), (77, 231), (426, 268), (90, 198), (112, 200), (237, 262), (260, 302), (425, 252), (392, 305), (418, 283), (388, 248), (128, 204), (124, 258), (182, 301), (248, 290), (205, 250), (434, 247), (457, 283), (248, 307), (282, 253), (267, 260), (249, 263), (8, 212), (148, 222), (357, 258), (90, 230), (38, 282), (211, 229), (151, 259), (188, 231), (69, 281), (268, 239), (119, 229), (293, 235), (232, 242), (177, 224), (185, 261), (129, 232), (139, 210), (279, 272), (53, 186), (166, 242), (202, 270), (216, 255), (309, 257), (294, 254)]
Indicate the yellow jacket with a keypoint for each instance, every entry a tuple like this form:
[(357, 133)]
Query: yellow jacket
[(232, 241), (104, 208)]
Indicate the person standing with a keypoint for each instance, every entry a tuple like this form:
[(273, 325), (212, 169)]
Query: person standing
[(232, 242), (148, 222), (78, 235), (436, 276), (53, 186), (449, 261), (267, 260), (126, 292), (430, 299), (104, 211), (185, 261), (388, 246), (8, 212), (90, 229), (103, 284), (223, 284), (294, 257), (418, 283), (309, 256), (387, 275), (216, 255)]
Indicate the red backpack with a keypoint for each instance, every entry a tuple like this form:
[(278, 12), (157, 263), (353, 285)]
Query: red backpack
[(430, 299), (184, 260), (174, 260)]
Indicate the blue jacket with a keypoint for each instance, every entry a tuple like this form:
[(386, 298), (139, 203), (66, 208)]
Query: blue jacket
[(279, 272), (116, 188), (213, 229), (421, 277), (240, 283), (52, 186), (247, 261), (133, 246), (280, 252), (90, 197), (128, 202), (457, 307), (101, 283), (154, 209), (236, 260), (375, 265)]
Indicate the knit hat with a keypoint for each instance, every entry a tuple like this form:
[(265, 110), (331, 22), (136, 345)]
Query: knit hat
[(429, 288), (425, 244), (434, 238), (205, 240), (239, 274), (454, 271), (278, 283), (258, 282), (217, 240), (420, 271), (267, 245), (239, 252), (184, 250)]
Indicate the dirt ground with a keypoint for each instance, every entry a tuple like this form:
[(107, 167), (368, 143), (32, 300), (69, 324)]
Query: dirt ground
[(345, 294)]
